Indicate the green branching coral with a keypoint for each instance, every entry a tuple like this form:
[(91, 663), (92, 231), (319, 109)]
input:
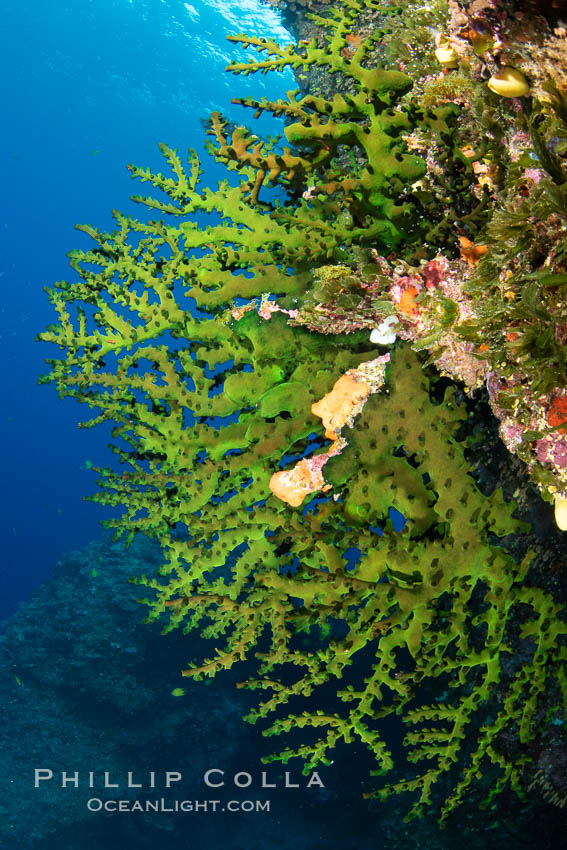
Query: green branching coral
[(136, 349), (430, 604), (363, 120), (208, 400)]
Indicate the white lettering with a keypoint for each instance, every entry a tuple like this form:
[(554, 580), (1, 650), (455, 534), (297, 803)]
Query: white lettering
[(207, 775), (70, 778), (265, 783), (245, 783), (172, 776), (41, 774), (132, 784), (315, 779)]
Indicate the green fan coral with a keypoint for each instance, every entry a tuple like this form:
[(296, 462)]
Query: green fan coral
[(208, 400), (174, 427), (432, 603), (362, 120)]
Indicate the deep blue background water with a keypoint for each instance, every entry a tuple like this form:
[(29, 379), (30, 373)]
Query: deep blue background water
[(88, 86)]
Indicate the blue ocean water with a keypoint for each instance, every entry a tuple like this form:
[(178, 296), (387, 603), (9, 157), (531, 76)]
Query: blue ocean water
[(88, 87)]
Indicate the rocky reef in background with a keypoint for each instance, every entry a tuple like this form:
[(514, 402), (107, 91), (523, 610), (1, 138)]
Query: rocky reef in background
[(85, 686)]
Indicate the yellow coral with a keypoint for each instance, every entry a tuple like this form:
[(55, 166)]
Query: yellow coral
[(446, 55), (509, 82), (561, 513)]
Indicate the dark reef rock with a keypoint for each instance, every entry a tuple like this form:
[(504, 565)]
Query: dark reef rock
[(86, 686)]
